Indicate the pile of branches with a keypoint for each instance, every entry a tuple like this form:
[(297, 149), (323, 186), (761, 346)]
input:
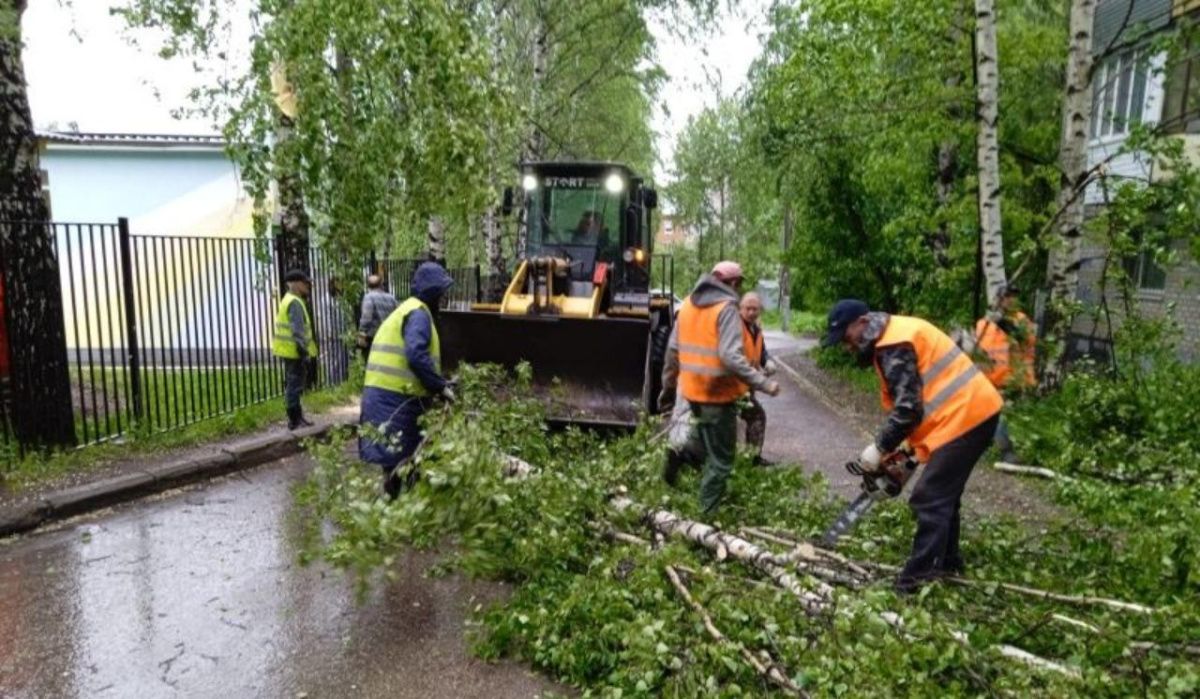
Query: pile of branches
[(621, 586)]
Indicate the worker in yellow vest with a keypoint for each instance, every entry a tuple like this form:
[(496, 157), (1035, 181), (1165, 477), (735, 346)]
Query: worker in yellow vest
[(941, 404), (404, 374), (294, 342), (706, 356), (752, 412), (1005, 346)]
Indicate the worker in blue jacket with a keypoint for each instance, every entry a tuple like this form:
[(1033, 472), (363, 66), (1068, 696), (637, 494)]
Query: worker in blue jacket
[(404, 374)]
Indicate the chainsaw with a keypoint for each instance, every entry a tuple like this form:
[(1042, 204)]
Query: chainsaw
[(882, 483)]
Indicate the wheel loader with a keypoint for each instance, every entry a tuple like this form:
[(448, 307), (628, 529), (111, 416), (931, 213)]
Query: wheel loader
[(579, 307)]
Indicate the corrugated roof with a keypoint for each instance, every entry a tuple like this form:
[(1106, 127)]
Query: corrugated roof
[(149, 140)]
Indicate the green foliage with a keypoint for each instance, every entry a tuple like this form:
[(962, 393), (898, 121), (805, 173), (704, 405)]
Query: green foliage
[(601, 615), (1129, 441)]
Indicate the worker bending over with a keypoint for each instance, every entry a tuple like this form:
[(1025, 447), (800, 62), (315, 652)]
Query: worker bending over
[(706, 356), (377, 305), (1005, 344), (941, 404), (404, 373)]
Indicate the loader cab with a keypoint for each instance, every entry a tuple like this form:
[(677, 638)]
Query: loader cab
[(596, 216)]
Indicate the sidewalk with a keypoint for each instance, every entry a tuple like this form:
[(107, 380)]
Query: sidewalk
[(145, 474)]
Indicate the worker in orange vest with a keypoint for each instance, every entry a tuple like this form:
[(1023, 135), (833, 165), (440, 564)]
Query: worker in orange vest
[(706, 356), (752, 412), (1005, 346), (941, 404)]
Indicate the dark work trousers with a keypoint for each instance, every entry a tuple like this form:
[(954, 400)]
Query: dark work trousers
[(295, 377), (756, 424), (366, 351), (937, 499)]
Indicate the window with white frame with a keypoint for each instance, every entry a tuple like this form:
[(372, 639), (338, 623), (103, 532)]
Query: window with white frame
[(1119, 93)]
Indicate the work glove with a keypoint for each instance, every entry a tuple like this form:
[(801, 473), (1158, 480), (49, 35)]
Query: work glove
[(666, 400), (771, 388), (448, 393), (871, 457), (770, 367)]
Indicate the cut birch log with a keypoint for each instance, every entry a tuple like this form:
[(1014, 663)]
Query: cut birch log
[(804, 550), (769, 670), (716, 541), (517, 468)]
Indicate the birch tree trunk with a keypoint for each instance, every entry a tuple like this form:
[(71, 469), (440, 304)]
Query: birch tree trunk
[(291, 221), (436, 239), (33, 314), (987, 150), (785, 274), (535, 146), (492, 230), (1072, 155)]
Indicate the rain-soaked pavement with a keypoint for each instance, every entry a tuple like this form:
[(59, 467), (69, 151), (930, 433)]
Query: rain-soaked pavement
[(198, 593), (803, 429)]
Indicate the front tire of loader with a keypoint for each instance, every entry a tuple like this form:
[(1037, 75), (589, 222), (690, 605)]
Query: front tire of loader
[(660, 335)]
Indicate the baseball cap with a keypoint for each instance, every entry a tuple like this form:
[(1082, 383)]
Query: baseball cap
[(727, 270), (842, 314)]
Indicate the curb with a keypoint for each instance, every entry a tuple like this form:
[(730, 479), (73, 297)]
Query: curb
[(89, 497)]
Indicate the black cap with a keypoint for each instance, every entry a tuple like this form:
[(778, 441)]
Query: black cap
[(297, 275), (842, 314)]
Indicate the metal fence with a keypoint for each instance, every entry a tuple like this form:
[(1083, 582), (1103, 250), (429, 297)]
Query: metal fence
[(468, 287), (164, 331)]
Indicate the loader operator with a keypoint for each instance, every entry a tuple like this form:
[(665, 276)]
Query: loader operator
[(1005, 344), (404, 372), (941, 403), (706, 356), (752, 412), (293, 341)]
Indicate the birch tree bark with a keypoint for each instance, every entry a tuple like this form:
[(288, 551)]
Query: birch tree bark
[(436, 239), (291, 220), (535, 142), (33, 313), (987, 149), (1072, 154), (785, 275)]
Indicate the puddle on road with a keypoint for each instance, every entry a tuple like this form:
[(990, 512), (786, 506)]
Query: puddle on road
[(201, 594)]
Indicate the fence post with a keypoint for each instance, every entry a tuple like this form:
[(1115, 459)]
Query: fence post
[(132, 349)]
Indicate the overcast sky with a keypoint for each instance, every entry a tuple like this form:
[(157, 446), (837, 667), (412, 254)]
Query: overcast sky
[(81, 70)]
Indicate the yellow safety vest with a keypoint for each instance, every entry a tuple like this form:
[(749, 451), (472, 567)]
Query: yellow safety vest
[(283, 344), (387, 365)]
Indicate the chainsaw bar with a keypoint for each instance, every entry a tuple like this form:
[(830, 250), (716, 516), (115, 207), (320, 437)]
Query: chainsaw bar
[(853, 513)]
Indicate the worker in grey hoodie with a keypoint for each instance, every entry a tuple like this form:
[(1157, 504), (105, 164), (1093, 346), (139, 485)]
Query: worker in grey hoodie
[(706, 358)]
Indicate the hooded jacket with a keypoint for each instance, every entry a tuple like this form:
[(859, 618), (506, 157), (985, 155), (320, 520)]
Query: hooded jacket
[(710, 291), (429, 283)]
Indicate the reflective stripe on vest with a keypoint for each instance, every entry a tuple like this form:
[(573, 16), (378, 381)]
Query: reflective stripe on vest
[(283, 342), (956, 395), (702, 376), (387, 365)]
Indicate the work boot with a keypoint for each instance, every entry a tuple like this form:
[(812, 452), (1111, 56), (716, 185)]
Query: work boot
[(294, 418), (299, 421), (671, 469), (760, 461), (393, 485)]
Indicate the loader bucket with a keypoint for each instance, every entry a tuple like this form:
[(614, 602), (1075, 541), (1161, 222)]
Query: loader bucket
[(586, 371)]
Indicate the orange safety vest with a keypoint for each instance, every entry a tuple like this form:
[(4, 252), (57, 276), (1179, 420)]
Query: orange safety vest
[(956, 395), (753, 346), (702, 376), (997, 345)]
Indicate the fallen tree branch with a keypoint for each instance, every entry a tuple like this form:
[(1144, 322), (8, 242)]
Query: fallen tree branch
[(1012, 652), (720, 542), (771, 672), (806, 551), (1020, 470), (1054, 596), (1069, 621)]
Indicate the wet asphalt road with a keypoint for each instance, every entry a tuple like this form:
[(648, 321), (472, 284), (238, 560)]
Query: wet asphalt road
[(198, 593), (802, 429)]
